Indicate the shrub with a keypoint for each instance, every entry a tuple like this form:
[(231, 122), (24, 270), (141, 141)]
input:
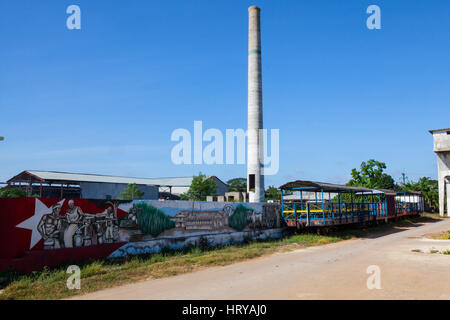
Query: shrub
[(12, 193)]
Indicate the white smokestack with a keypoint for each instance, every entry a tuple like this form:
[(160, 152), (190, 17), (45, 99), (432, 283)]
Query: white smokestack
[(255, 178)]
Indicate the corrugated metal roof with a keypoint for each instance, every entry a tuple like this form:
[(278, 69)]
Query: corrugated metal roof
[(380, 191), (53, 176), (327, 187), (330, 187)]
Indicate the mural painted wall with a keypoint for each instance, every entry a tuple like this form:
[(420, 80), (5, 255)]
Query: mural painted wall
[(52, 231)]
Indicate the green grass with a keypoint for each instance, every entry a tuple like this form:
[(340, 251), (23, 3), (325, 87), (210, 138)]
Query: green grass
[(416, 250), (101, 274)]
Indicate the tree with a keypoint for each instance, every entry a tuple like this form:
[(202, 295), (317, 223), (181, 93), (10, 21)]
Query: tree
[(12, 193), (273, 193), (371, 175), (429, 189), (201, 187), (131, 192), (237, 185)]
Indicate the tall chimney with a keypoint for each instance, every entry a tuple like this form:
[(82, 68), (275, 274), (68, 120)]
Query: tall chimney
[(255, 178)]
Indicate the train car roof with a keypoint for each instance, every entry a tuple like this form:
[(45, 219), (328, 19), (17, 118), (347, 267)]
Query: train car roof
[(314, 186), (318, 186)]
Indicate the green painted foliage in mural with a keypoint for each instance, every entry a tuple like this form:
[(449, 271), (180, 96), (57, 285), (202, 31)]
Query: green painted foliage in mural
[(152, 220), (239, 219)]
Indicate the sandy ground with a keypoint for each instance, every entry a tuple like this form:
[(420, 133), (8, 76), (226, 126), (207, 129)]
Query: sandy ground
[(336, 271)]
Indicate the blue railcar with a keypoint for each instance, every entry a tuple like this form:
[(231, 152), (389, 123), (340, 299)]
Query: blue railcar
[(319, 204)]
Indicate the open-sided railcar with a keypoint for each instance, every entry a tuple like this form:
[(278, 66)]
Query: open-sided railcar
[(334, 205)]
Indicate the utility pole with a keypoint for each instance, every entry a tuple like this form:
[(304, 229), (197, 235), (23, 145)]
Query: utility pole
[(404, 178)]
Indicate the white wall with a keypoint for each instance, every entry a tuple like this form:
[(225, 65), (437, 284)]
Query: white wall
[(95, 190)]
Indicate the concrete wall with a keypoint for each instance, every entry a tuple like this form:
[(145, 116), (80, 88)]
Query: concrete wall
[(222, 188), (443, 160), (94, 190), (176, 243), (65, 230), (441, 142)]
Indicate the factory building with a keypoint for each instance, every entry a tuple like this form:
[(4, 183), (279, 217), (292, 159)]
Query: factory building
[(50, 184), (441, 141)]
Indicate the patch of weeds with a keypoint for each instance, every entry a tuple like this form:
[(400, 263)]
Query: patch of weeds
[(92, 269), (416, 250), (446, 236), (434, 251)]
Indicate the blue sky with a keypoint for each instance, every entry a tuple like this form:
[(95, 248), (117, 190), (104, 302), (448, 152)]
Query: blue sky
[(105, 99)]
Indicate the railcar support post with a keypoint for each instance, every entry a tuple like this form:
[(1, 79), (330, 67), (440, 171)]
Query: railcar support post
[(323, 208), (301, 200), (351, 195), (307, 214), (282, 204), (331, 206), (295, 213)]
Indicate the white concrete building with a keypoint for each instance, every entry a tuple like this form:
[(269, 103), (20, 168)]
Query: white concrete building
[(441, 140)]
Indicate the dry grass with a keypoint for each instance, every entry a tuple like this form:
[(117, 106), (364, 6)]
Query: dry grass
[(444, 236), (439, 236)]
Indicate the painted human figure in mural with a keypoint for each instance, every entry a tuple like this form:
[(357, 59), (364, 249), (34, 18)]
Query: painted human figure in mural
[(110, 221), (256, 220), (74, 216), (108, 229), (50, 227), (90, 231), (132, 214), (130, 220)]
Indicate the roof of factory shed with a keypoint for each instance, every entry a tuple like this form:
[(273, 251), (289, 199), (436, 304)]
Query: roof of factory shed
[(53, 177)]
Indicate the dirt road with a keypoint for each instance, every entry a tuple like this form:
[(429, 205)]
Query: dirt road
[(337, 271)]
